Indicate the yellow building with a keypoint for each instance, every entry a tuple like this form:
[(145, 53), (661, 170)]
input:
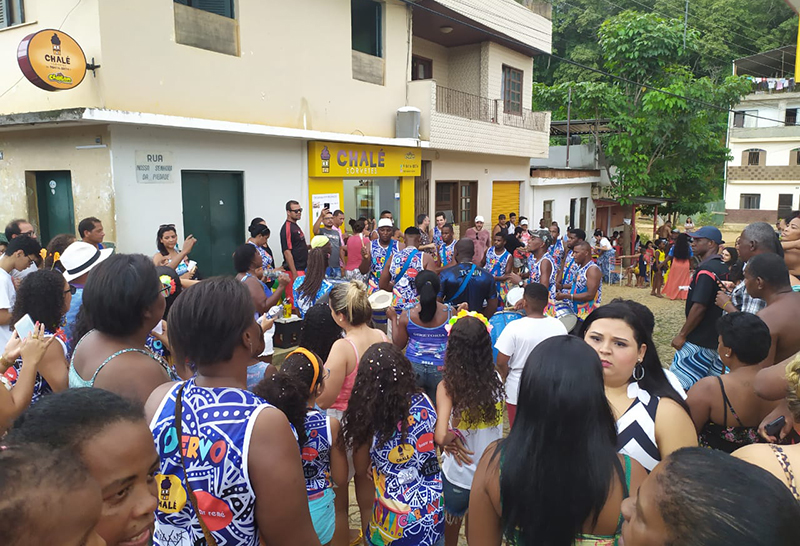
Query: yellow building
[(209, 116)]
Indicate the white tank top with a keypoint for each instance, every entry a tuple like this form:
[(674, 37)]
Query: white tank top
[(476, 438)]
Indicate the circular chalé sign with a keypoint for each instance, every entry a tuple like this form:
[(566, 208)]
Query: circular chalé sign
[(51, 60)]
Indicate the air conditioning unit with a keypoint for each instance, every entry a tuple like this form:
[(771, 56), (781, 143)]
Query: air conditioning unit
[(407, 125)]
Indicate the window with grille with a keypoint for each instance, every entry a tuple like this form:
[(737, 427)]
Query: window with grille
[(755, 157), (738, 119), (512, 90), (750, 201), (791, 116)]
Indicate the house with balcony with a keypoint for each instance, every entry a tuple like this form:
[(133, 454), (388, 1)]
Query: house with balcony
[(473, 90), (208, 114), (762, 181)]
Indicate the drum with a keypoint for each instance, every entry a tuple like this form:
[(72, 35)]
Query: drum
[(566, 314), (499, 322), (514, 295), (380, 302)]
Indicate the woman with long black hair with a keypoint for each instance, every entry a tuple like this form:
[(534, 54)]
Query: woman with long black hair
[(421, 330), (677, 286), (557, 478), (313, 286), (652, 418)]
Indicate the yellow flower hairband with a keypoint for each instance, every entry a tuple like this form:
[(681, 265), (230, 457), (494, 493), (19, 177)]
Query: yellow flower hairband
[(56, 257), (463, 313)]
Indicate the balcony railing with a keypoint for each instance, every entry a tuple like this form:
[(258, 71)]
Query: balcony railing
[(469, 106), (465, 105), (528, 119)]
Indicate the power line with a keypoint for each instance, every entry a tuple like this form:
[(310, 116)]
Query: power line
[(589, 68)]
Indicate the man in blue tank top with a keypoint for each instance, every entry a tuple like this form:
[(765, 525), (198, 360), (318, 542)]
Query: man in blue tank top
[(465, 282)]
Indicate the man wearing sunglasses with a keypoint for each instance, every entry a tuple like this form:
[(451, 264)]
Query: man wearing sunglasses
[(20, 254), (293, 245), (17, 228)]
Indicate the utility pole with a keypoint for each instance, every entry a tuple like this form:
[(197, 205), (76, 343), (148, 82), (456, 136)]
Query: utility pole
[(569, 108), (685, 24)]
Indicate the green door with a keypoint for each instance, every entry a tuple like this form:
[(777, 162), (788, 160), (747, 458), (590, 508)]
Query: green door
[(213, 211), (54, 202)]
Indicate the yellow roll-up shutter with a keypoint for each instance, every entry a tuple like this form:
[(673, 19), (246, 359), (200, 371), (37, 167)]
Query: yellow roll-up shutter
[(505, 199)]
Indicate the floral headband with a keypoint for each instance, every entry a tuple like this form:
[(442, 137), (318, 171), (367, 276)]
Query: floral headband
[(166, 280), (461, 314)]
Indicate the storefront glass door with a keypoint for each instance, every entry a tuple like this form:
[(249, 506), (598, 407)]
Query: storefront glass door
[(368, 197)]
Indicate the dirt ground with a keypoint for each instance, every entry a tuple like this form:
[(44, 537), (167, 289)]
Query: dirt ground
[(669, 319)]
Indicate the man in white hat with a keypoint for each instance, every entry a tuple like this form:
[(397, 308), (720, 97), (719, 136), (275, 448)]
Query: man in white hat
[(78, 260), (480, 238)]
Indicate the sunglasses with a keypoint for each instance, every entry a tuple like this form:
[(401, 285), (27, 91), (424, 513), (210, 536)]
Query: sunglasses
[(295, 210), (163, 226), (72, 290)]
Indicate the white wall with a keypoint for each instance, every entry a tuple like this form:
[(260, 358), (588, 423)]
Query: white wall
[(448, 166), (778, 152), (440, 56), (274, 171), (769, 191), (560, 192)]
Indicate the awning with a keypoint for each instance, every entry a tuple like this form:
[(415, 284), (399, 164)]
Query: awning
[(777, 63)]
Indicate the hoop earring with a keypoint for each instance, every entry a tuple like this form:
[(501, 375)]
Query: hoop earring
[(639, 368)]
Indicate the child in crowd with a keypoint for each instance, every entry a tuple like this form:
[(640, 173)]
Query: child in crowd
[(111, 437), (389, 424), (469, 402), (47, 497), (294, 390)]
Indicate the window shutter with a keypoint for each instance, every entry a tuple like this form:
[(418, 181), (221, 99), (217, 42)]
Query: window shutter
[(4, 15), (220, 7)]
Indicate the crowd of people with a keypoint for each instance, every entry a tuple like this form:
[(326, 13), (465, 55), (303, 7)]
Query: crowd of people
[(142, 404)]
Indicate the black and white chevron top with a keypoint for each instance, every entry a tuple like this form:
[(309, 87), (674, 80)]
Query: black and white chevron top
[(636, 428)]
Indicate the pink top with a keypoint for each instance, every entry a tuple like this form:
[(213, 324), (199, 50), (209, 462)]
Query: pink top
[(350, 379), (354, 244)]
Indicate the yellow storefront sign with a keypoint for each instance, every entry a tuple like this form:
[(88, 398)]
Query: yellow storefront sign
[(341, 160)]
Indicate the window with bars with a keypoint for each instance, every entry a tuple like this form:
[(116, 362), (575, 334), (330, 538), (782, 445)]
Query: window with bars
[(512, 90), (750, 201), (220, 7), (791, 116), (754, 157)]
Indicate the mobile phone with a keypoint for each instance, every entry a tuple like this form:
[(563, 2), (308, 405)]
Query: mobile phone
[(326, 206), (774, 428), (24, 327)]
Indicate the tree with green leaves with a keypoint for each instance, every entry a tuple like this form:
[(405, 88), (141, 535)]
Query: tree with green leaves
[(729, 29), (668, 124)]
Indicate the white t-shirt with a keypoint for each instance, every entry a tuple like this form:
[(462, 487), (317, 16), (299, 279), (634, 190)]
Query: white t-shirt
[(518, 339), (8, 295), (25, 272)]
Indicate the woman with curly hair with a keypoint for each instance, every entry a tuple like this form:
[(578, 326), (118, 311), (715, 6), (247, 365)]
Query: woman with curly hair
[(469, 402), (389, 425), (294, 390), (45, 296)]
